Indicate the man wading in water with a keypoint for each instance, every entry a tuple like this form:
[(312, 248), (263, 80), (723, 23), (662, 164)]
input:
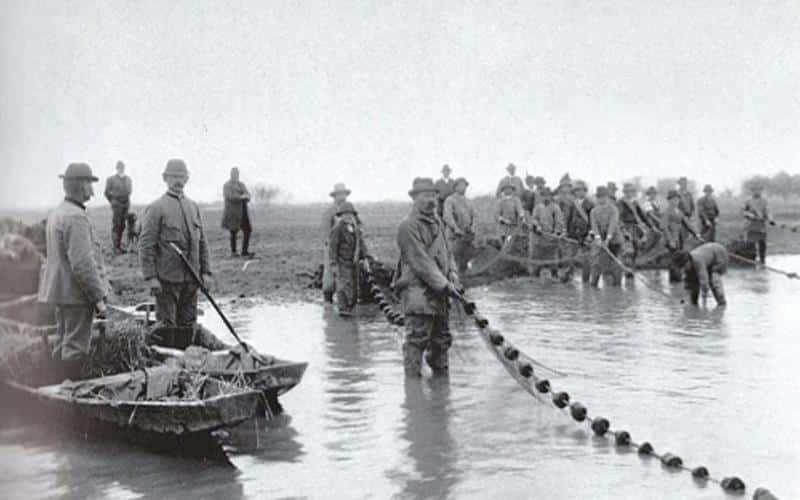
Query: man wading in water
[(704, 267), (426, 280), (346, 248)]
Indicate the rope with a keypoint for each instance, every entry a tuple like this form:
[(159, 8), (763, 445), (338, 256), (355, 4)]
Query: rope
[(520, 367)]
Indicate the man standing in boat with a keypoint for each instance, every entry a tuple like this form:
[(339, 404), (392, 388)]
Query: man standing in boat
[(73, 277), (757, 216), (339, 195), (426, 280), (236, 216), (174, 219), (708, 211)]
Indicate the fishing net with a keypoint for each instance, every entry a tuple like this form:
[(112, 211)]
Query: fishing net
[(121, 346)]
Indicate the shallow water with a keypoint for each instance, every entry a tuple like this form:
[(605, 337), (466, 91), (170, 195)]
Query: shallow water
[(717, 387)]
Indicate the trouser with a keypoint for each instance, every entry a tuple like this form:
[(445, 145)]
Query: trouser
[(632, 247), (246, 229), (714, 283), (118, 219), (328, 283), (708, 231), (345, 285), (577, 256), (74, 332), (542, 248), (604, 265), (426, 332), (176, 304), (675, 271), (461, 247), (760, 241)]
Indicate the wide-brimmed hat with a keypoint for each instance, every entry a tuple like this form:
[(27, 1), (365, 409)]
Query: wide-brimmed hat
[(579, 185), (673, 193), (340, 188), (601, 191), (446, 168), (628, 186), (539, 180), (422, 185), (546, 191), (460, 180), (651, 190), (611, 185), (708, 189), (176, 166), (79, 171), (346, 208)]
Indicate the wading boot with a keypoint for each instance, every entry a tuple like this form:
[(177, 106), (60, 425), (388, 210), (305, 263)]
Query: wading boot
[(438, 362), (412, 361), (327, 297)]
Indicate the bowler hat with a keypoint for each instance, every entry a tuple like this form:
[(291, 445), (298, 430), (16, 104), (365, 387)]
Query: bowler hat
[(579, 185), (628, 186), (79, 171), (446, 168), (346, 208), (422, 185), (651, 190), (673, 193), (511, 167), (176, 166), (708, 189), (611, 185), (340, 188), (602, 191), (461, 179)]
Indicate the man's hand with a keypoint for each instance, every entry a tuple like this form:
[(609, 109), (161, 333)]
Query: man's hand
[(453, 290), (100, 309), (153, 285)]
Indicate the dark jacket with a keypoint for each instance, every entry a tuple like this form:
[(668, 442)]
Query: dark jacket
[(425, 264), (346, 245), (687, 203), (118, 190), (236, 198), (172, 219), (630, 213), (578, 219)]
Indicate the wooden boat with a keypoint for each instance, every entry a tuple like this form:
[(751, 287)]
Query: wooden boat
[(162, 408)]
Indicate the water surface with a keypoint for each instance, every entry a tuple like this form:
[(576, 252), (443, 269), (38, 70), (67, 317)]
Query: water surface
[(718, 387)]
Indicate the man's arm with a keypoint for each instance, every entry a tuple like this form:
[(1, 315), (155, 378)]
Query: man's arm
[(205, 264), (78, 242), (449, 216), (148, 241), (421, 264), (333, 243), (109, 192)]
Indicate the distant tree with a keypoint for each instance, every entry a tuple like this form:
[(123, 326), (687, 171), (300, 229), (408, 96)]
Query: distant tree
[(756, 180), (265, 194)]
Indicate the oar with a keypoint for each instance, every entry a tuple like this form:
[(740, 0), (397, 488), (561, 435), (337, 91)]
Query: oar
[(768, 268), (208, 295)]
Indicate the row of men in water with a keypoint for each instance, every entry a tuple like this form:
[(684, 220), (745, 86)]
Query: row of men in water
[(428, 276)]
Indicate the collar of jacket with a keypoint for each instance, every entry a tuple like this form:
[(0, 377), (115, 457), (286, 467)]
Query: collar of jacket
[(178, 196), (76, 203), (429, 219)]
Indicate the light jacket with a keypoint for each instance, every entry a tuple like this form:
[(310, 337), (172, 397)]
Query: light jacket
[(73, 273), (709, 258), (548, 218), (172, 219), (605, 223), (459, 215), (236, 197), (756, 213), (509, 209), (118, 190), (425, 264)]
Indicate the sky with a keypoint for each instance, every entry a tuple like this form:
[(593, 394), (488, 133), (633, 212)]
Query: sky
[(305, 94)]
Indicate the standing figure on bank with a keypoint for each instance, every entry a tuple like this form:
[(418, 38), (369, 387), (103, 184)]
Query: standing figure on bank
[(460, 218), (346, 249), (511, 180), (236, 216), (339, 195), (174, 219), (547, 224), (607, 239), (634, 225), (529, 195), (578, 224), (704, 267), (509, 214), (757, 216), (686, 198), (426, 279), (708, 212), (118, 192), (677, 228), (73, 276), (445, 186)]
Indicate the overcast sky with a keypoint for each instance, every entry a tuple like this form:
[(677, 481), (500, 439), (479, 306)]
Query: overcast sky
[(305, 94)]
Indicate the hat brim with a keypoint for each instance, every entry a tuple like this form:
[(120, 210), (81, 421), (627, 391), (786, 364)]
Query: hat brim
[(85, 178), (341, 191), (415, 192)]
